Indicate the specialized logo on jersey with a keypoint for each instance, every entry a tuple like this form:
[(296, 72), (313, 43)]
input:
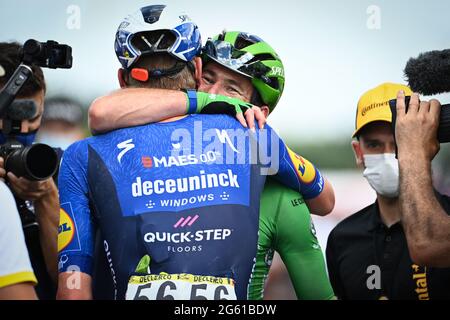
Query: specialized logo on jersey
[(125, 146), (67, 232), (305, 169), (224, 138)]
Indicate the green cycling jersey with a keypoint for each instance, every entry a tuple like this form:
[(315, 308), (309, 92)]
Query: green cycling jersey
[(285, 226)]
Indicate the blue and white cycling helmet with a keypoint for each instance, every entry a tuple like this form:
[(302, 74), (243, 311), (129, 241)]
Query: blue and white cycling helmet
[(157, 29)]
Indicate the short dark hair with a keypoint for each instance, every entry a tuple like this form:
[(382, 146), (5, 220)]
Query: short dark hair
[(10, 59)]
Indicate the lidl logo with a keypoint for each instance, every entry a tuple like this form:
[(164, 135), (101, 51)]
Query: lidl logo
[(305, 169), (66, 230), (302, 165)]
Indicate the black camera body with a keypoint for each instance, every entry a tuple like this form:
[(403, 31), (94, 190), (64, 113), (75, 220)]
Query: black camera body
[(48, 54), (443, 134)]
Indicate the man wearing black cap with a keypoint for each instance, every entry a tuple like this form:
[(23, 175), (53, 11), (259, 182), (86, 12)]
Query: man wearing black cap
[(367, 253)]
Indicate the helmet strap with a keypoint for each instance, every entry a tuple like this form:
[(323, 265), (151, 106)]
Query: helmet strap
[(120, 76), (143, 75)]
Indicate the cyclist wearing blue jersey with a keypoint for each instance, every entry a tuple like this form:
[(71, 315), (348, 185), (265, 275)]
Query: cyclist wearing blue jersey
[(284, 223), (190, 205), (258, 80)]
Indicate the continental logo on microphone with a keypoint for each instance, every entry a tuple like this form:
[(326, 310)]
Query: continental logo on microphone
[(372, 106), (305, 169), (67, 233)]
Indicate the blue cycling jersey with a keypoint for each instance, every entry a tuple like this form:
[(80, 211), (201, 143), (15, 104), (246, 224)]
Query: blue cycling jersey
[(186, 193)]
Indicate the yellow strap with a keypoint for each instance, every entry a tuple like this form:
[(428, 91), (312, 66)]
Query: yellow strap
[(19, 277)]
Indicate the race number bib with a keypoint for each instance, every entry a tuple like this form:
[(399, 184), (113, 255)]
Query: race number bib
[(180, 287)]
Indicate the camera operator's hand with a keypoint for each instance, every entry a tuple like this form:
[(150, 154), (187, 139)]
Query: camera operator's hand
[(424, 220), (31, 190), (44, 195), (416, 130)]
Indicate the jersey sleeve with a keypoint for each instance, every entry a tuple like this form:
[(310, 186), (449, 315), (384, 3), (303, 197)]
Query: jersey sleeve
[(289, 168), (76, 230), (15, 266), (296, 242)]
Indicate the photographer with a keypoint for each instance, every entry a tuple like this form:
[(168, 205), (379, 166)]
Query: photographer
[(426, 224), (35, 199)]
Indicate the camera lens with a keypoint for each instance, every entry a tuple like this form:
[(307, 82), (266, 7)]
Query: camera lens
[(32, 47), (37, 162)]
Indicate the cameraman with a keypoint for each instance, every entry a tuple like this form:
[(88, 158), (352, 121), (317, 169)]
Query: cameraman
[(35, 199), (426, 224)]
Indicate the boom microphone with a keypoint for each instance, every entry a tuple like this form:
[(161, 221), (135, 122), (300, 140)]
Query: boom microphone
[(429, 73)]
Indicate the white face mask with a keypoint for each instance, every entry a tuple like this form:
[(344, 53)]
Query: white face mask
[(62, 141), (382, 173)]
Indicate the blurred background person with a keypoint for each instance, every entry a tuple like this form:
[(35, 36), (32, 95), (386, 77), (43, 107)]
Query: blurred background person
[(62, 123), (367, 253)]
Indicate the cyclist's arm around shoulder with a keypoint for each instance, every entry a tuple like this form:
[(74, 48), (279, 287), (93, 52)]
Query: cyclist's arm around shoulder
[(135, 106)]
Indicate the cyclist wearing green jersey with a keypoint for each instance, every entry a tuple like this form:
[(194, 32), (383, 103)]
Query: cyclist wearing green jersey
[(285, 222)]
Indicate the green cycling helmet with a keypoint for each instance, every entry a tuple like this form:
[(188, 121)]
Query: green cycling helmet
[(252, 57)]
